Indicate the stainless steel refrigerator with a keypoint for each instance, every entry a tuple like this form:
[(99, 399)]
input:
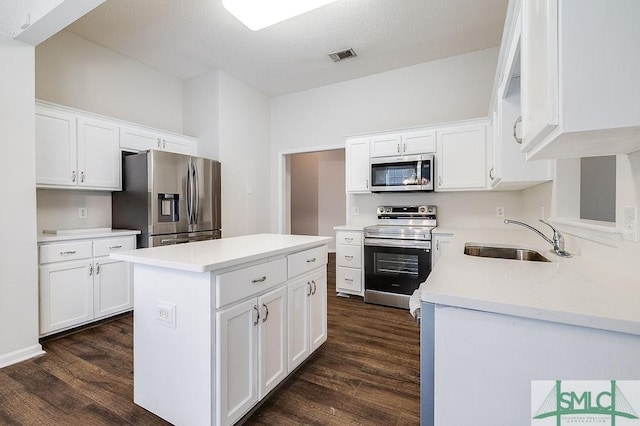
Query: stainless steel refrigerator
[(170, 198)]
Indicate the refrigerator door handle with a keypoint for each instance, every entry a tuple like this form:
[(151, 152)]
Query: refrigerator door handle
[(196, 195), (188, 194)]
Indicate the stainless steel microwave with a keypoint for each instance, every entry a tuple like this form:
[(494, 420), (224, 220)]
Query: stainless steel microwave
[(400, 174)]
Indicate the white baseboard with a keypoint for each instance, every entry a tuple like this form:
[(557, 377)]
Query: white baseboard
[(21, 355)]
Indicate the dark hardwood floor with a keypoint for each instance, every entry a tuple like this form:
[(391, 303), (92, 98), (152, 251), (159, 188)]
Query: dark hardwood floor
[(368, 372)]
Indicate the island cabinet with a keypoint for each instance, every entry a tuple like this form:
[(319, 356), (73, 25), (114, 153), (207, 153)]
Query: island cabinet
[(215, 333)]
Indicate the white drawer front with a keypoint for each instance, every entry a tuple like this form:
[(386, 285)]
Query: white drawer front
[(349, 238), (348, 279), (61, 252), (305, 261), (104, 247), (236, 285), (349, 256)]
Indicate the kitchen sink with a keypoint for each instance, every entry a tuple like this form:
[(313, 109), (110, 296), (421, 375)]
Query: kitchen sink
[(504, 252)]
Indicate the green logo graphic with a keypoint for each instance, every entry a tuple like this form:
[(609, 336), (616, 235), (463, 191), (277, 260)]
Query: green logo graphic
[(610, 402)]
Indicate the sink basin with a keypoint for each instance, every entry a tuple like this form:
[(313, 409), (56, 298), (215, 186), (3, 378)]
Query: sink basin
[(502, 252)]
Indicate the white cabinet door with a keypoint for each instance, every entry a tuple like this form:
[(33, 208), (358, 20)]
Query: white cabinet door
[(66, 294), (539, 69), (298, 292), (357, 165), (139, 139), (172, 143), (98, 154), (56, 150), (272, 340), (112, 287), (386, 145), (237, 363), (418, 142), (318, 310), (461, 158)]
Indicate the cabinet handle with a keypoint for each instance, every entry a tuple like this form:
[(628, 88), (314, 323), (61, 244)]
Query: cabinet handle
[(439, 180), (309, 289), (64, 253), (97, 268), (266, 312), (348, 239), (313, 259), (255, 307), (114, 247), (398, 148), (73, 176), (314, 287), (515, 125), (90, 269), (81, 176), (158, 142), (259, 280), (349, 280), (404, 147), (492, 174), (164, 143), (348, 257), (367, 183), (437, 244)]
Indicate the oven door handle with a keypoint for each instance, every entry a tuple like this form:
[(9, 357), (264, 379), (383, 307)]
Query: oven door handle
[(384, 242)]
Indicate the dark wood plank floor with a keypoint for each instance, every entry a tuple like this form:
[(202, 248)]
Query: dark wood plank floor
[(366, 373)]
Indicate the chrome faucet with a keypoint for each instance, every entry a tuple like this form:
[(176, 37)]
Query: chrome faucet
[(557, 242)]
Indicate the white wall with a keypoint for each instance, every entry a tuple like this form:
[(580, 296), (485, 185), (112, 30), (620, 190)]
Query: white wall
[(75, 72), (58, 209), (244, 153), (450, 89), (18, 250), (200, 113)]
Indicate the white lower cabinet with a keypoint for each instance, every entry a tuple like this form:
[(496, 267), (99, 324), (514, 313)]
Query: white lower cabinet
[(79, 284), (349, 270), (253, 334), (307, 316)]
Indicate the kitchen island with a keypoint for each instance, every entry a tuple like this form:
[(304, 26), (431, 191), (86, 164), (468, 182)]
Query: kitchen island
[(219, 324), (490, 326)]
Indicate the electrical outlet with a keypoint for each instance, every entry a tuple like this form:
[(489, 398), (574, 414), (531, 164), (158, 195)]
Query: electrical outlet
[(166, 313), (631, 223), (499, 211), (355, 211), (83, 213)]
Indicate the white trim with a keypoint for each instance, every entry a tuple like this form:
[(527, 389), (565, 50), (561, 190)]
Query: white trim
[(282, 170), (600, 232), (21, 355)]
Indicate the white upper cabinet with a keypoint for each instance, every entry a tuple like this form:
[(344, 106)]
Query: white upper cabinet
[(75, 152), (507, 165), (461, 158), (142, 139), (406, 143), (357, 165), (579, 76)]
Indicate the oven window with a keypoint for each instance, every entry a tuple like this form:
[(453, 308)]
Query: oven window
[(396, 264), (397, 174)]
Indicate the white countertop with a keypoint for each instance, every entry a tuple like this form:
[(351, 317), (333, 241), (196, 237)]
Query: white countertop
[(203, 256), (348, 228), (571, 291), (85, 234)]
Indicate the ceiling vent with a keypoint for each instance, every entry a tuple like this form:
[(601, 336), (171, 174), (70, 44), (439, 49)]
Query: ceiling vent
[(343, 54)]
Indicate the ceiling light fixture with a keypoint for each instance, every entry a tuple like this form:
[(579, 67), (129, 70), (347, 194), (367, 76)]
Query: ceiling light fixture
[(258, 14)]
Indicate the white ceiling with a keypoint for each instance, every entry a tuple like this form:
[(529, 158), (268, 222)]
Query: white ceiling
[(186, 38)]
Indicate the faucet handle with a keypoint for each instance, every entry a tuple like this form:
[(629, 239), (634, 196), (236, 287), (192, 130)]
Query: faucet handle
[(558, 241)]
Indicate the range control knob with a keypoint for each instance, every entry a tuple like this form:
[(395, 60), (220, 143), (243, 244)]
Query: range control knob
[(387, 209), (431, 210), (380, 210), (422, 209)]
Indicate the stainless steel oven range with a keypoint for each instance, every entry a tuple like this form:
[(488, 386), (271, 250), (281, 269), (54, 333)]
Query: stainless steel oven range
[(397, 254)]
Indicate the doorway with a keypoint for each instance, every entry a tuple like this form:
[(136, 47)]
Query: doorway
[(316, 192)]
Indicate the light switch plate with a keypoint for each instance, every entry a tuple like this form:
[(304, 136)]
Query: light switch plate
[(630, 224)]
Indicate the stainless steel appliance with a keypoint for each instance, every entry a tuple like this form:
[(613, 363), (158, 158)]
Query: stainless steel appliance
[(400, 174), (170, 198), (397, 254)]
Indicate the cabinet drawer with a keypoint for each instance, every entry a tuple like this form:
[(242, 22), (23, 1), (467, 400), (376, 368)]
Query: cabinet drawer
[(350, 238), (348, 279), (299, 263), (106, 246), (236, 285), (65, 251), (349, 256)]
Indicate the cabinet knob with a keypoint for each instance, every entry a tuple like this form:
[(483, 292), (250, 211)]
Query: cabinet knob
[(515, 127)]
